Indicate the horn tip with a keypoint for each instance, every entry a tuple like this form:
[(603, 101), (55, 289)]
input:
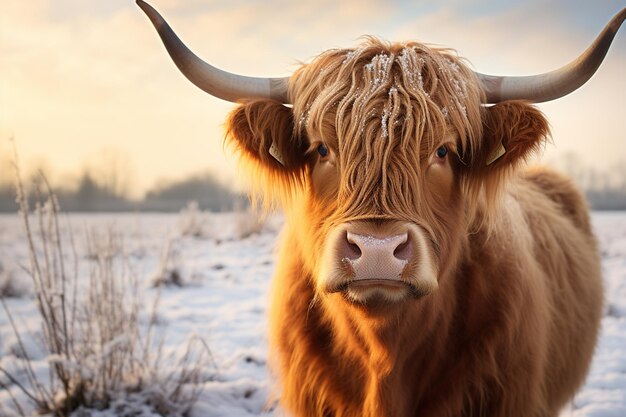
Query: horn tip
[(144, 6), (152, 14)]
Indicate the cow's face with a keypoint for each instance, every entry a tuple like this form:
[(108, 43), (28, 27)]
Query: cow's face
[(385, 126), (376, 161)]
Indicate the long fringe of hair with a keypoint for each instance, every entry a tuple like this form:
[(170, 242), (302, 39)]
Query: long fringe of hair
[(393, 103)]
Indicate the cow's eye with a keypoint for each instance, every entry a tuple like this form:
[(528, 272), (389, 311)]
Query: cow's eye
[(322, 150), (441, 152)]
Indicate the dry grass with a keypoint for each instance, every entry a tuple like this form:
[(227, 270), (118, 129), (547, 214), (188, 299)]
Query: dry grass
[(168, 272), (100, 354), (242, 223), (248, 222), (192, 221)]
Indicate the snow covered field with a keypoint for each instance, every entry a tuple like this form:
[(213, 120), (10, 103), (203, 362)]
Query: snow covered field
[(223, 298)]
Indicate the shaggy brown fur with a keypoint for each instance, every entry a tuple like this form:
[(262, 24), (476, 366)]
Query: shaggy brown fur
[(511, 329)]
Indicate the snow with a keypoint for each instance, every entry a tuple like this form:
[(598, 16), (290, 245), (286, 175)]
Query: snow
[(223, 298), (604, 393)]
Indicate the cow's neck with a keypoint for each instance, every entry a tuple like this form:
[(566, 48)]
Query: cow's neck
[(384, 347)]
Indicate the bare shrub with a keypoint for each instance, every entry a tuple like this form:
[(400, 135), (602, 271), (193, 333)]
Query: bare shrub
[(240, 224), (99, 354), (247, 223), (192, 221), (168, 272)]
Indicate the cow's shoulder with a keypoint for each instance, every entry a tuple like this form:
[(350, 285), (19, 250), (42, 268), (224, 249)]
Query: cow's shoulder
[(561, 190)]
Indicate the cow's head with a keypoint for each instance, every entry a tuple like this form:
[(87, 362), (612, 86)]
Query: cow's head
[(386, 155), (376, 159)]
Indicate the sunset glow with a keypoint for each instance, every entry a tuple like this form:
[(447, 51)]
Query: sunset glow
[(88, 84)]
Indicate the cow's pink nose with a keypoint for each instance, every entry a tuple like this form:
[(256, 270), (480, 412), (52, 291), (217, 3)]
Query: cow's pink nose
[(377, 258)]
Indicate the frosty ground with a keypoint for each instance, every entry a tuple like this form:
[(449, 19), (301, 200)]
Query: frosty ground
[(219, 269)]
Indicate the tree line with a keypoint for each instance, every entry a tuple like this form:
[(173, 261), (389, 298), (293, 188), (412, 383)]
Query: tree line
[(605, 190), (91, 195)]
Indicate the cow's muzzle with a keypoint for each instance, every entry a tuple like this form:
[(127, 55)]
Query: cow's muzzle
[(390, 261)]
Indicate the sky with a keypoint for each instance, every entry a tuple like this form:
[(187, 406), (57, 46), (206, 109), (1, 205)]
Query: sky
[(88, 84)]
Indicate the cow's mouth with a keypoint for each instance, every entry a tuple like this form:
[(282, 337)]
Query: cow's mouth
[(366, 291), (381, 282)]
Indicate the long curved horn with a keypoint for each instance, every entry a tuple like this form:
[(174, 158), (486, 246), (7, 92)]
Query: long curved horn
[(218, 83), (557, 83)]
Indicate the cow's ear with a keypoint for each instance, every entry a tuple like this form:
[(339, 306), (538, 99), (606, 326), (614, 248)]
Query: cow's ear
[(262, 133), (512, 132)]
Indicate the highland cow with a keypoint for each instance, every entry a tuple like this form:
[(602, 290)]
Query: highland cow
[(424, 271)]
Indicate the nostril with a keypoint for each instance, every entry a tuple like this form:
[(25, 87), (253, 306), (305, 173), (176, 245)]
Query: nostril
[(354, 251), (404, 250), (351, 249)]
